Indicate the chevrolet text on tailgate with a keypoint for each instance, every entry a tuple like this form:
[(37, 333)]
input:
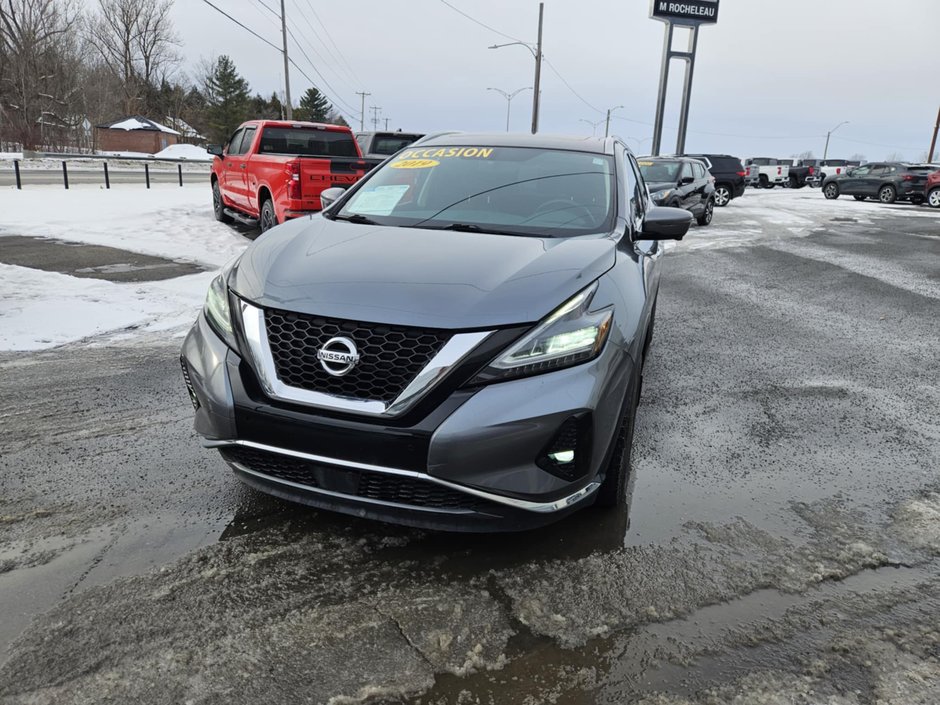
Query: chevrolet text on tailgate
[(271, 170)]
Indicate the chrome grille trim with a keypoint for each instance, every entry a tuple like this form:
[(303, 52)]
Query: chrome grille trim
[(538, 507), (455, 350)]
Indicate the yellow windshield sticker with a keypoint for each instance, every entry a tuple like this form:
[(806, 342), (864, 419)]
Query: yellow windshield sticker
[(414, 164), (645, 163), (447, 152)]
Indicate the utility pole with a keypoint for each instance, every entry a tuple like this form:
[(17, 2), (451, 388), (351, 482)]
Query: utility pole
[(933, 142), (609, 111), (362, 112), (829, 134), (536, 91), (290, 108), (375, 116), (386, 124)]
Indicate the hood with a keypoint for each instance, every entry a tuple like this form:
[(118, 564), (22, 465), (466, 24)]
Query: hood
[(655, 186), (416, 277)]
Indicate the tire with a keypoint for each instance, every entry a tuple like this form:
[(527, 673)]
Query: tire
[(764, 182), (706, 217), (933, 198), (831, 191), (268, 217), (613, 489), (859, 198), (218, 206), (794, 182), (723, 195), (887, 194)]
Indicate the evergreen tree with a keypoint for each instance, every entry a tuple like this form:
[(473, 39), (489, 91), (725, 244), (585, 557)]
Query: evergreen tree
[(228, 100), (313, 106)]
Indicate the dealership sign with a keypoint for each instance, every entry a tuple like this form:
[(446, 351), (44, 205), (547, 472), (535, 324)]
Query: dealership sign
[(685, 11)]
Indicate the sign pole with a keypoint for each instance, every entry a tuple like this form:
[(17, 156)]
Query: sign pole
[(663, 83), (687, 90)]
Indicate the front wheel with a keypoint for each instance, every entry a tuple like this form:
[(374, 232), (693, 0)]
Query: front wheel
[(831, 191), (613, 489), (268, 217), (722, 196), (887, 194), (933, 198), (859, 198), (706, 217), (218, 207)]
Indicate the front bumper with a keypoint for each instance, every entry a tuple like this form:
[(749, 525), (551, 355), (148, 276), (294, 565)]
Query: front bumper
[(466, 460)]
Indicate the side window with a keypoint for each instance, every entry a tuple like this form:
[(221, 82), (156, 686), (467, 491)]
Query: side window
[(248, 135), (699, 171), (686, 171), (638, 203), (234, 141), (878, 170), (861, 171)]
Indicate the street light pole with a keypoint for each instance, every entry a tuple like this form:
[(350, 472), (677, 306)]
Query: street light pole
[(592, 124), (537, 55), (829, 134), (509, 97), (609, 111)]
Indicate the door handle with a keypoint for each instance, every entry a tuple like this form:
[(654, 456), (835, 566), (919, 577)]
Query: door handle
[(244, 166)]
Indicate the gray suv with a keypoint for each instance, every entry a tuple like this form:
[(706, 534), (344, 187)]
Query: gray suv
[(457, 342), (885, 181)]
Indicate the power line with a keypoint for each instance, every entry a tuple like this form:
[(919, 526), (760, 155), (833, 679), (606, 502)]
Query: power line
[(326, 31), (482, 24), (247, 29), (312, 48), (317, 72), (568, 85), (269, 8)]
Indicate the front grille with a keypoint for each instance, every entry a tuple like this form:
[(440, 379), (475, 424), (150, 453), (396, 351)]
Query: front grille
[(355, 483), (390, 357)]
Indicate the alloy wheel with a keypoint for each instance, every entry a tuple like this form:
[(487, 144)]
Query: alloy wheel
[(722, 196), (887, 194), (934, 198)]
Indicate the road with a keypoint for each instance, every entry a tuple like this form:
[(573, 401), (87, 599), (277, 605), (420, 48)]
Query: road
[(85, 175), (782, 544)]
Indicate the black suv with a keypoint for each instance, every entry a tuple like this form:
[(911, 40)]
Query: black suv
[(729, 175), (886, 181), (680, 182)]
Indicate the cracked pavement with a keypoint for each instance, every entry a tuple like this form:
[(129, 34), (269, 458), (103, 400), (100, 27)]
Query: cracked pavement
[(782, 544)]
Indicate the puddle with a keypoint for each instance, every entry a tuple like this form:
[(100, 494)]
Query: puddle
[(90, 261)]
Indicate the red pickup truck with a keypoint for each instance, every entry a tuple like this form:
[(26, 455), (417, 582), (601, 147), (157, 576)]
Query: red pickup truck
[(272, 170)]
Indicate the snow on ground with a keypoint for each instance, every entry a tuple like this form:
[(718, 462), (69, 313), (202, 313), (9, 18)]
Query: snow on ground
[(41, 309), (185, 151)]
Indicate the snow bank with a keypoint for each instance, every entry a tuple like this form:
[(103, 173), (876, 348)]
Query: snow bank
[(130, 155), (11, 155), (185, 151)]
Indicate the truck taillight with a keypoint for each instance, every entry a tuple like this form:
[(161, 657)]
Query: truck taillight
[(838, 170), (293, 183), (779, 171), (741, 173), (812, 170)]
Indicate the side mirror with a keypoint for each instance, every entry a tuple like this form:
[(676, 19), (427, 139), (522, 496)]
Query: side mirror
[(215, 150), (663, 223), (329, 196), (686, 180)]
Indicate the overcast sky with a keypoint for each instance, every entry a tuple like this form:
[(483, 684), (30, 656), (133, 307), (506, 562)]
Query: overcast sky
[(771, 78)]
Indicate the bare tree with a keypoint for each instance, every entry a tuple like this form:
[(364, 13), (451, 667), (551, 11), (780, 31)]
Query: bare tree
[(38, 70), (136, 41)]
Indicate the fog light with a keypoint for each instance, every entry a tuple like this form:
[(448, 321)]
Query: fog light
[(568, 454), (562, 456)]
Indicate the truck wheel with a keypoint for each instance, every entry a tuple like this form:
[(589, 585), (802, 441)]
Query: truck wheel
[(831, 191), (268, 217), (764, 181), (706, 217), (613, 489), (859, 198), (722, 196), (887, 194), (933, 198), (218, 207)]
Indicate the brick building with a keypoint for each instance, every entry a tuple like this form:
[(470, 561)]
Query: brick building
[(135, 134)]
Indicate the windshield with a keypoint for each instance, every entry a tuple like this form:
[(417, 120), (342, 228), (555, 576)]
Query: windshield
[(660, 172), (307, 142), (507, 190), (389, 144)]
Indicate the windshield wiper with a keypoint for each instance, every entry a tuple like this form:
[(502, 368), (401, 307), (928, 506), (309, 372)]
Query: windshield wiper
[(356, 218), (469, 228)]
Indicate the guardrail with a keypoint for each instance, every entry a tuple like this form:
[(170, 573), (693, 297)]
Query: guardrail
[(104, 159)]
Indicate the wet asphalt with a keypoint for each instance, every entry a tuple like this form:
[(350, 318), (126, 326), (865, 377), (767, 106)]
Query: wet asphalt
[(782, 543)]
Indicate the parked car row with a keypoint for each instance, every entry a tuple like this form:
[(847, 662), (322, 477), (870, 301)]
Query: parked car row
[(887, 182)]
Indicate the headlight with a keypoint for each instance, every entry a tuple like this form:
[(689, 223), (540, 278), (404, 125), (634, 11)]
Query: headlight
[(569, 336), (217, 309), (660, 196)]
